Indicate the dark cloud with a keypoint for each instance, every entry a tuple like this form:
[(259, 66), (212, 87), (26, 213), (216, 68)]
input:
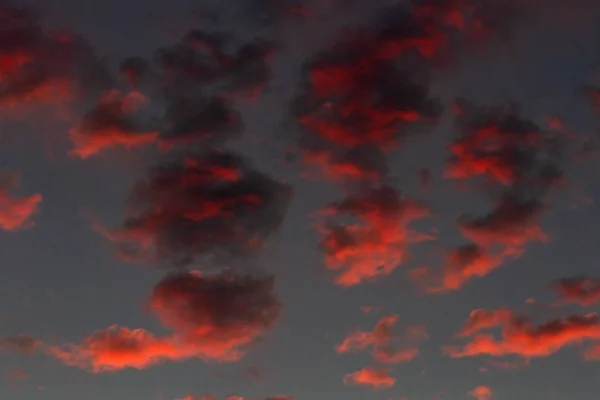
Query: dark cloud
[(112, 122), (188, 119), (202, 58), (43, 66), (205, 204), (22, 344), (582, 290)]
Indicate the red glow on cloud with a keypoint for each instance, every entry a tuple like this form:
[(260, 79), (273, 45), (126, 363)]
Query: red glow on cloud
[(375, 378), (384, 341), (16, 212), (117, 348), (108, 124), (376, 245), (481, 393), (583, 290), (214, 318), (520, 337)]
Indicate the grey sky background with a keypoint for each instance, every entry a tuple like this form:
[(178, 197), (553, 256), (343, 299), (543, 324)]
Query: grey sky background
[(60, 279)]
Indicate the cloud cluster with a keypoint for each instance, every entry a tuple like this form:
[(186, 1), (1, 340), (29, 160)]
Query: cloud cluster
[(519, 163), (200, 206)]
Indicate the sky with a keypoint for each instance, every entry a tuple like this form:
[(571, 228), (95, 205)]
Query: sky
[(287, 199)]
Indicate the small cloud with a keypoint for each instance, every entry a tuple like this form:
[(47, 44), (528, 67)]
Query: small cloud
[(481, 393), (375, 378)]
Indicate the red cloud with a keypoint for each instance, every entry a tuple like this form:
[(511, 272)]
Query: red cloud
[(376, 378), (213, 317), (118, 348), (383, 341), (583, 290), (376, 245), (15, 212), (110, 123), (520, 337), (481, 393)]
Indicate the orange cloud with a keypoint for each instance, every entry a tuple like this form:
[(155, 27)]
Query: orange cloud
[(383, 341), (117, 348), (481, 393), (375, 378), (520, 337), (213, 317)]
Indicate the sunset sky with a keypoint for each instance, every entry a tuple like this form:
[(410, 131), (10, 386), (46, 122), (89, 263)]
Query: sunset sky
[(299, 200)]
